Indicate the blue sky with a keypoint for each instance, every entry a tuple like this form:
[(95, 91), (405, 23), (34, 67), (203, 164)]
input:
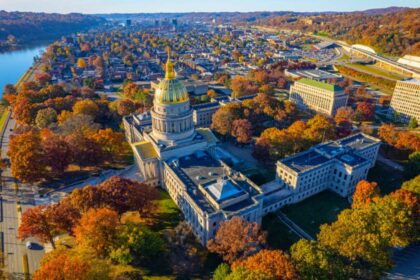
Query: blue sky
[(147, 6)]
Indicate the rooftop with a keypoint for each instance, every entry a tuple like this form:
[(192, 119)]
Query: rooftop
[(146, 149), (319, 84)]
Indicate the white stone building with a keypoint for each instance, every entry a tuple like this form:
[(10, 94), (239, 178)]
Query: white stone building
[(406, 100), (318, 96)]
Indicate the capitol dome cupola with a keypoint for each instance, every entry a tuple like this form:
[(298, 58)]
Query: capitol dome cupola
[(171, 114), (170, 90)]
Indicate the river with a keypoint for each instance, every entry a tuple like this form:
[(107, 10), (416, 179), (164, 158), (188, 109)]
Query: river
[(14, 64)]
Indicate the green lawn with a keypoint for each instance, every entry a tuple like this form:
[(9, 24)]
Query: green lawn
[(316, 210), (377, 71), (278, 235), (167, 215), (387, 178)]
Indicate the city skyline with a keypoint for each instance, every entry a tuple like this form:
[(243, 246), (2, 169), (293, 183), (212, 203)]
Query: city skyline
[(146, 6)]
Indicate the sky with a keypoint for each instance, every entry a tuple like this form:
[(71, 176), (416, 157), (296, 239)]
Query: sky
[(151, 6)]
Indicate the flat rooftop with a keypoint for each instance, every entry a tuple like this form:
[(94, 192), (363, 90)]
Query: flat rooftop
[(305, 161), (318, 84), (202, 169), (314, 74)]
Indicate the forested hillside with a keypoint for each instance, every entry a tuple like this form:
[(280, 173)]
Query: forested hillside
[(18, 28), (392, 31)]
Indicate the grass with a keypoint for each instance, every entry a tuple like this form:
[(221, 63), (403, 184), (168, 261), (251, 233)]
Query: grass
[(344, 57), (387, 178), (278, 234), (316, 210), (373, 70), (167, 215)]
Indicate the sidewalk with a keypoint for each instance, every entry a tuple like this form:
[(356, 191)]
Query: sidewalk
[(293, 227)]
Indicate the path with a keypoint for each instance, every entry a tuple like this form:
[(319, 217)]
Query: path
[(292, 226), (390, 163)]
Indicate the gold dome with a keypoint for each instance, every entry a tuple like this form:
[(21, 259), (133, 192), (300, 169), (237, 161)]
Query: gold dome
[(170, 90)]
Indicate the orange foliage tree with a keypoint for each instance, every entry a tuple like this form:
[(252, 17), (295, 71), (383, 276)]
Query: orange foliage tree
[(273, 263), (97, 230), (236, 239), (366, 193)]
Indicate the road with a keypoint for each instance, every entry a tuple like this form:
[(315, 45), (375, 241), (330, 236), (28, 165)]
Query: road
[(13, 249)]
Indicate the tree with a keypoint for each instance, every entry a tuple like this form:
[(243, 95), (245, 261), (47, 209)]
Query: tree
[(242, 86), (113, 144), (136, 243), (413, 123), (244, 274), (45, 117), (86, 107), (388, 134), (236, 239), (57, 154), (320, 128), (397, 218), (81, 63), (27, 157), (37, 222), (272, 263), (356, 237), (366, 111), (73, 124), (125, 107), (97, 229), (242, 130), (412, 185), (85, 198), (84, 150), (223, 119), (222, 272), (261, 149), (63, 217), (366, 193), (124, 195), (61, 268), (344, 114), (314, 261)]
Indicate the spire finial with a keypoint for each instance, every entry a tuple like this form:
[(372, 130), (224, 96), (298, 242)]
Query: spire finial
[(170, 73)]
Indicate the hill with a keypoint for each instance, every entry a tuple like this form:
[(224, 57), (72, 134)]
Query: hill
[(392, 31)]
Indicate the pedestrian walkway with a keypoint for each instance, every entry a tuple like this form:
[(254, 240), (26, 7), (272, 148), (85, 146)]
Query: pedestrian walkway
[(293, 227)]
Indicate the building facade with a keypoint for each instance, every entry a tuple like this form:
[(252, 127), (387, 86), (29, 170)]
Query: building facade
[(318, 96), (405, 102), (336, 165), (188, 163), (172, 153)]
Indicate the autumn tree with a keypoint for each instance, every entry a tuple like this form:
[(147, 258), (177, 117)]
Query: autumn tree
[(236, 239), (412, 185), (366, 193), (242, 131), (86, 107), (84, 150), (113, 144), (273, 263), (97, 230), (37, 222), (241, 86), (45, 117), (81, 63), (365, 111), (85, 198), (355, 236), (223, 119), (57, 154), (27, 157), (320, 128), (124, 195), (125, 107)]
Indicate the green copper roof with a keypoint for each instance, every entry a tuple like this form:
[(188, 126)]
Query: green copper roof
[(321, 85)]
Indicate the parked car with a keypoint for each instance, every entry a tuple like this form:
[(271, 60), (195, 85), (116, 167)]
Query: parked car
[(30, 245)]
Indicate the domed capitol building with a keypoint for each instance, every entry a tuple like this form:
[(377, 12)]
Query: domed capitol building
[(170, 152), (186, 161)]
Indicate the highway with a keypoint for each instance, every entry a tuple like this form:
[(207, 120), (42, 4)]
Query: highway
[(13, 249)]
